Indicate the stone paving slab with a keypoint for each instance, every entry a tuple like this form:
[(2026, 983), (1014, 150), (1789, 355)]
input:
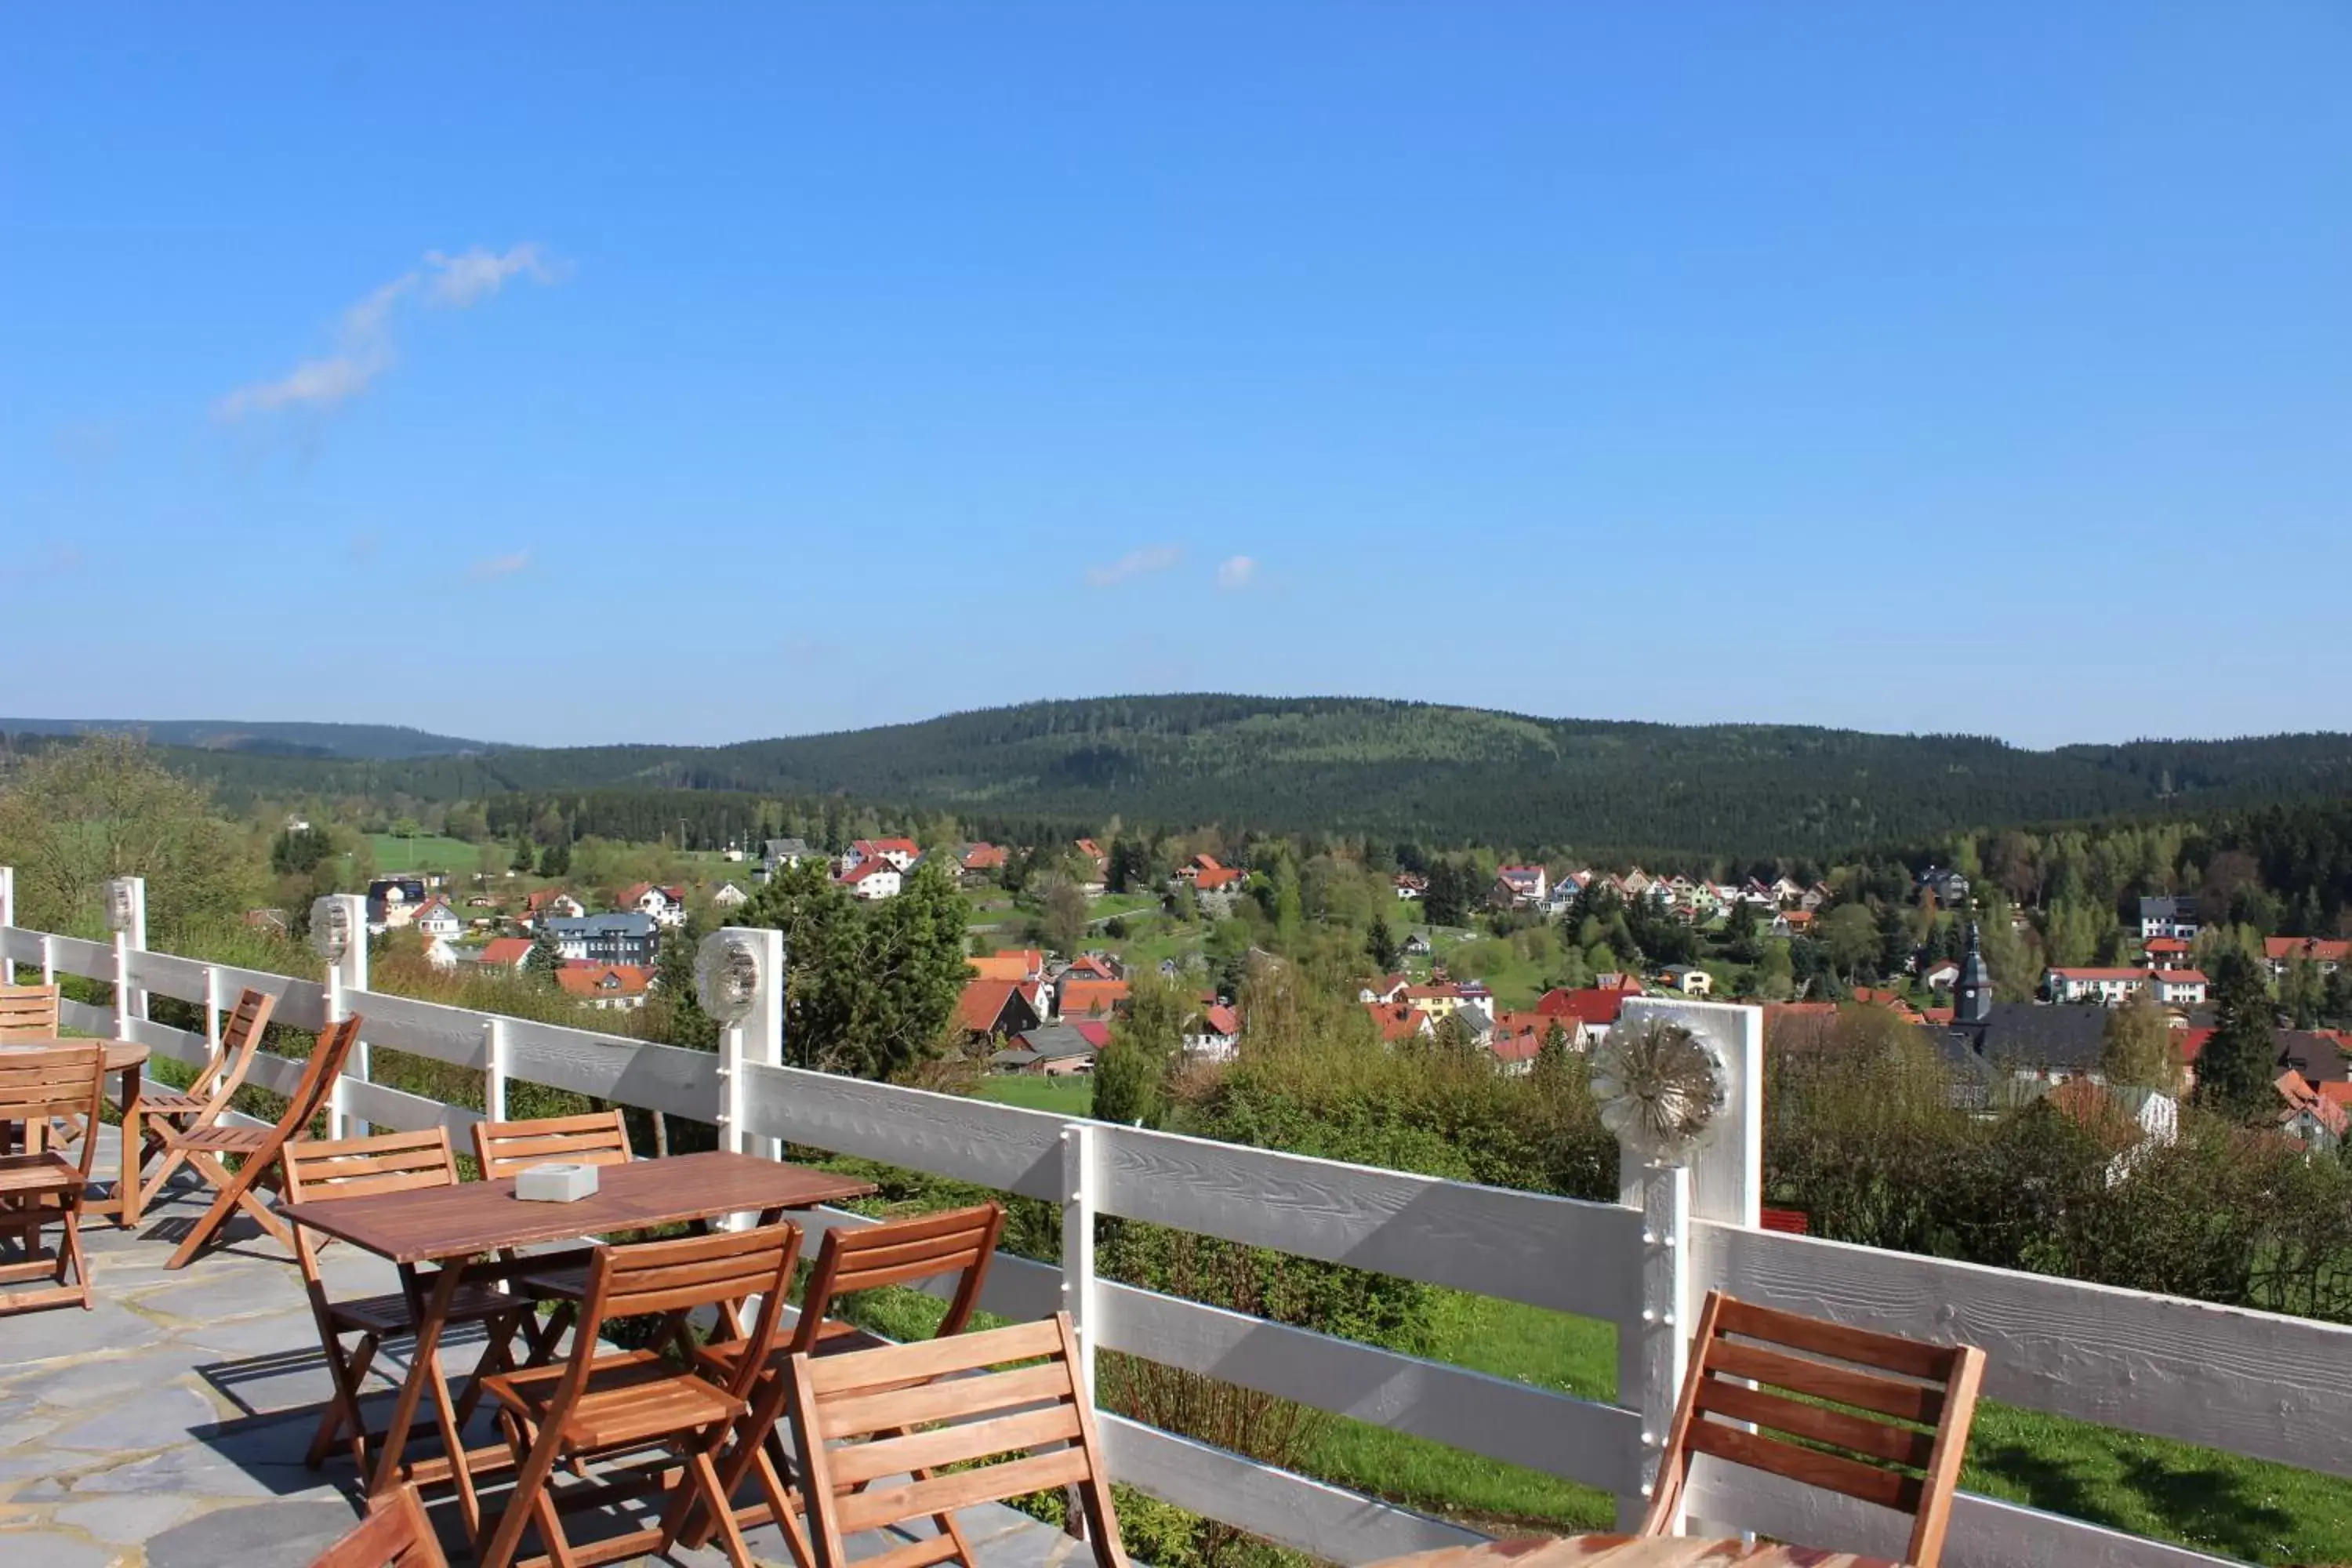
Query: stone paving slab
[(167, 1428)]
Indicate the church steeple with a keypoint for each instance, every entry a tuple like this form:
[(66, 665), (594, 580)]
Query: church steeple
[(1972, 997)]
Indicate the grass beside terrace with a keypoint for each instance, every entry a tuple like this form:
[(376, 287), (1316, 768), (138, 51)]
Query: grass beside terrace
[(1070, 1096)]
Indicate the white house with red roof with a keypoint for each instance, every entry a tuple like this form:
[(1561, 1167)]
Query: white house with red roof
[(506, 953), (2330, 955), (551, 904), (1213, 1034), (1520, 887), (2107, 986), (437, 920), (899, 853), (2178, 987), (874, 880), (666, 906)]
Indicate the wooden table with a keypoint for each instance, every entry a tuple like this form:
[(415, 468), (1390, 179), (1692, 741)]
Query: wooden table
[(452, 1226), (128, 1062), (1630, 1552)]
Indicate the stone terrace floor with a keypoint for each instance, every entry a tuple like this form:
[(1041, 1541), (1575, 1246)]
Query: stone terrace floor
[(165, 1428)]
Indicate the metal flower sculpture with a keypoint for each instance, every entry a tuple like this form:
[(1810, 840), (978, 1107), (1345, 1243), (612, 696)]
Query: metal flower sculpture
[(1660, 1088), (331, 928), (725, 977)]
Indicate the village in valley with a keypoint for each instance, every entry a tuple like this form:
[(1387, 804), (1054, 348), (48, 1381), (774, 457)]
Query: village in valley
[(1041, 1003)]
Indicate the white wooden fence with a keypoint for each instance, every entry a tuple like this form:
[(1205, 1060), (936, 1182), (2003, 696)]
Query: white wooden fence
[(2254, 1384)]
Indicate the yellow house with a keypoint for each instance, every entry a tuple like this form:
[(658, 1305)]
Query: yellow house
[(1690, 980)]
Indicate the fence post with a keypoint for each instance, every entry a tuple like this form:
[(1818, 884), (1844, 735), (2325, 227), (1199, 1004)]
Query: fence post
[(8, 921), (345, 976), (212, 1011), (763, 1032), (494, 1070), (126, 899), (1078, 1205), (1723, 1183)]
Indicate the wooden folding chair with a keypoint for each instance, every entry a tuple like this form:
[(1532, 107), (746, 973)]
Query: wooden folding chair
[(916, 1411), (326, 1171), (206, 1147), (28, 1012), (592, 1407), (41, 1186), (163, 1111), (395, 1534), (1880, 1418), (561, 1274), (959, 1242)]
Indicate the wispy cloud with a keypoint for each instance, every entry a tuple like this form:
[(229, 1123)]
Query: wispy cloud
[(1135, 563), (1236, 573), (496, 567), (364, 339)]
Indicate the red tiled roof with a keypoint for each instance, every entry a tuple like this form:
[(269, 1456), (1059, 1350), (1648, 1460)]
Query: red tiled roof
[(507, 949), (1017, 963), (1085, 997), (1212, 877), (2165, 945), (2319, 949), (2180, 977), (2192, 1042), (1087, 963), (1589, 1005), (590, 979), (983, 1002), (983, 857), (2099, 974), (1396, 1023), (866, 868), (1093, 1031), (1220, 1019)]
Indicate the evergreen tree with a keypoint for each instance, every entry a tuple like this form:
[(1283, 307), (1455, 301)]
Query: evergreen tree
[(675, 1010), (555, 861), (1381, 946), (545, 958), (2235, 1070), (520, 860)]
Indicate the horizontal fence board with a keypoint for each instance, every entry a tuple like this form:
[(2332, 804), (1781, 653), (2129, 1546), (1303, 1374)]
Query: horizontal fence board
[(608, 1067), (19, 945), (422, 1028), (1557, 1434), (390, 1108), (996, 1146), (2253, 1383), (301, 1004), (167, 974), (279, 1075), (1017, 1287), (1570, 1256), (1314, 1516), (179, 1045), (78, 955), (86, 1019), (1984, 1533)]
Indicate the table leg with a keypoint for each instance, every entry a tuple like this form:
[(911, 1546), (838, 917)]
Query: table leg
[(422, 1371), (126, 1182)]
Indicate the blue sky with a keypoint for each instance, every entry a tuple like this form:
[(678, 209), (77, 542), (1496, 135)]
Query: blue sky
[(569, 374)]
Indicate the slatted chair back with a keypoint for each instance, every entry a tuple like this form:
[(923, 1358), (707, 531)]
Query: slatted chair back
[(935, 1406), (240, 1038), (671, 1278), (1878, 1417), (598, 1138), (901, 1252), (319, 1075), (28, 1012), (395, 1534), (67, 1080), (322, 1170)]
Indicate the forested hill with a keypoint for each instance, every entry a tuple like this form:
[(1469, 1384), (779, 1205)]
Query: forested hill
[(351, 741), (1396, 769)]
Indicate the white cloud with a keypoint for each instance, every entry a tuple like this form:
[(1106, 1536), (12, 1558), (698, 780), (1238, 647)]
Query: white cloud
[(1236, 573), (460, 280), (1134, 563), (496, 567), (363, 349)]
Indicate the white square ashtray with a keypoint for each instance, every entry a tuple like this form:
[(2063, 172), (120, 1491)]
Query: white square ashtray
[(555, 1184)]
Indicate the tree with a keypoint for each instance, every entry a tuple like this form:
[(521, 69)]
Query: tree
[(545, 957), (2235, 1070), (1381, 946), (2302, 993), (1776, 979), (2138, 1049), (1146, 1042), (1063, 913), (520, 860), (674, 1012), (74, 816), (555, 861), (1850, 937)]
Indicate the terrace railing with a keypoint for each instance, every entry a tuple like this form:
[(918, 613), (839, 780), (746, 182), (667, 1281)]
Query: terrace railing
[(2255, 1383)]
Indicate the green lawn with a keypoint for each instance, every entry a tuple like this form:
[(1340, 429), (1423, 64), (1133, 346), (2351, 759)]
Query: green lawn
[(2169, 1491), (428, 852), (1071, 1096)]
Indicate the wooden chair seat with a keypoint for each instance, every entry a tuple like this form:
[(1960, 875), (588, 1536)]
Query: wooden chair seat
[(172, 1102), (47, 1172), (217, 1139), (387, 1316), (630, 1398), (564, 1278), (165, 1116)]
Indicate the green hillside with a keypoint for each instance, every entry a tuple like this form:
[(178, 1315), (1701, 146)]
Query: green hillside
[(1395, 769)]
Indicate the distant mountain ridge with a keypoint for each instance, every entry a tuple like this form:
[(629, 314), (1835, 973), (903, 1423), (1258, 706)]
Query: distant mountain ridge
[(1395, 769), (378, 742)]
